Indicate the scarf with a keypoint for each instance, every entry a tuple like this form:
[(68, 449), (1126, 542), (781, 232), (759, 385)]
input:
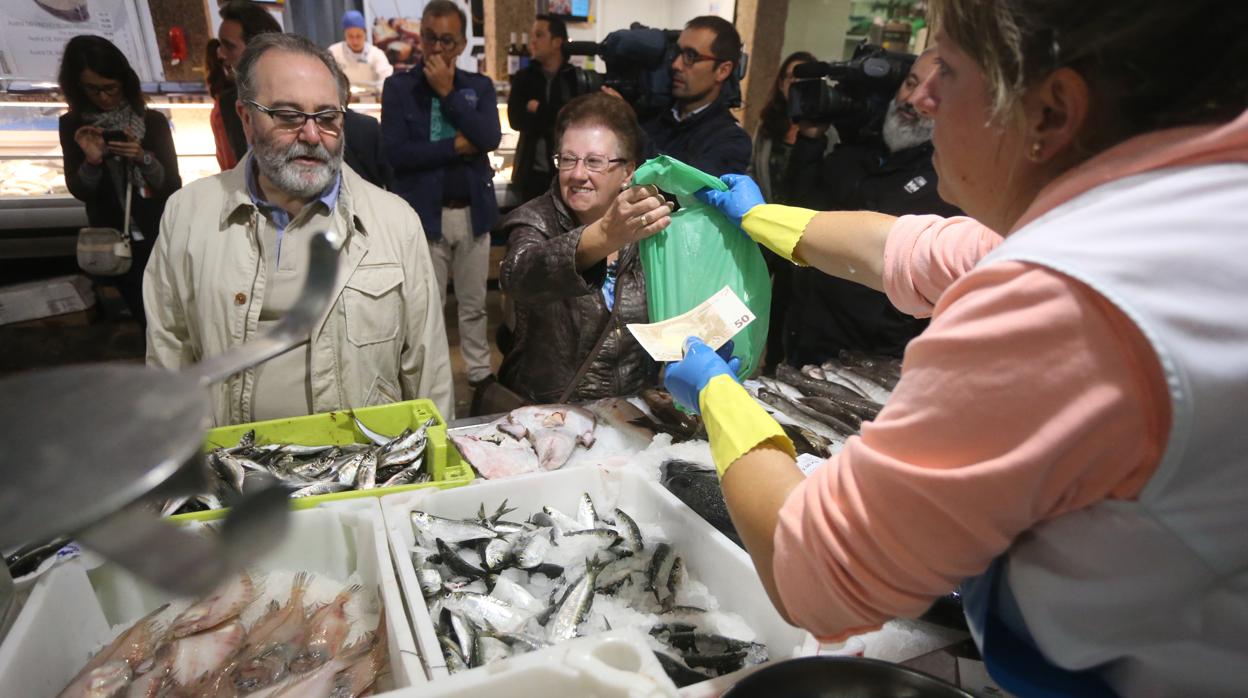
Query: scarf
[(123, 118)]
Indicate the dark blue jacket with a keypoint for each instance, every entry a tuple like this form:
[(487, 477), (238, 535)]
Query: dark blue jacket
[(418, 164), (710, 140)]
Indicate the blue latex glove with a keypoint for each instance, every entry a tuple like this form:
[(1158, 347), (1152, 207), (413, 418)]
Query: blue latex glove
[(686, 378), (742, 195)]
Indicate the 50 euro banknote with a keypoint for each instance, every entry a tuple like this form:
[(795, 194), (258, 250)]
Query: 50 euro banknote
[(715, 321)]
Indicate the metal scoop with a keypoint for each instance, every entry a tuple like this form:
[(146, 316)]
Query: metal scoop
[(84, 450)]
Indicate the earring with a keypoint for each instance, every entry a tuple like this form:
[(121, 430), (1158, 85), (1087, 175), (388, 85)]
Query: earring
[(1035, 150)]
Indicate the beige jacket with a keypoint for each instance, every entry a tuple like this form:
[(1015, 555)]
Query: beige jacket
[(381, 341)]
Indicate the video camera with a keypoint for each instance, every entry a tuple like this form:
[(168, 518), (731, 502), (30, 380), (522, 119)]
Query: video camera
[(638, 61), (852, 93)]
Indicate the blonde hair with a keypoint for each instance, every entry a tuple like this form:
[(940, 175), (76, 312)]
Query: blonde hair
[(1114, 45)]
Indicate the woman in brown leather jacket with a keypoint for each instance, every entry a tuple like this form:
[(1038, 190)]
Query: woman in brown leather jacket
[(572, 268)]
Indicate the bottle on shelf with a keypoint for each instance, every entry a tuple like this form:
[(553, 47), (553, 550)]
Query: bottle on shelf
[(525, 56), (513, 56)]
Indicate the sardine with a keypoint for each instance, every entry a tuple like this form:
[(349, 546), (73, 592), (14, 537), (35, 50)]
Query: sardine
[(430, 580), (629, 531), (530, 548), (586, 514), (319, 488), (490, 649), (509, 592), (455, 661), (575, 605), (660, 569), (366, 476), (485, 611), (450, 530), (378, 439), (458, 565)]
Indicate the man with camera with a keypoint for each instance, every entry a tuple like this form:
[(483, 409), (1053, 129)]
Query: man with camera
[(700, 130), (538, 92), (885, 168)]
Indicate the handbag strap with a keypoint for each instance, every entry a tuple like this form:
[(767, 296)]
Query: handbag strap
[(125, 226)]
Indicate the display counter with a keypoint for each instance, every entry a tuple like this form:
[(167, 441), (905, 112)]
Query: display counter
[(38, 216)]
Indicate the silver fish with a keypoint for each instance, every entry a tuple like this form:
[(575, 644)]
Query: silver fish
[(366, 475), (586, 514), (455, 661), (379, 439), (430, 580), (531, 548), (629, 531), (406, 476), (497, 551), (563, 522), (512, 593), (458, 565), (490, 649), (485, 611), (660, 569), (318, 488), (228, 468), (575, 605), (450, 530)]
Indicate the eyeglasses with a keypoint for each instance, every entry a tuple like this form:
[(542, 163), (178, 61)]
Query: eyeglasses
[(327, 121), (691, 57), (102, 90), (593, 163), (446, 41)]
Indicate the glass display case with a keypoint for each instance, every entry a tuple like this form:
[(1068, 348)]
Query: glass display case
[(33, 196)]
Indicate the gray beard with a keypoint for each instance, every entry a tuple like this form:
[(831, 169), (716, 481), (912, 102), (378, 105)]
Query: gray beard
[(299, 181), (899, 135)]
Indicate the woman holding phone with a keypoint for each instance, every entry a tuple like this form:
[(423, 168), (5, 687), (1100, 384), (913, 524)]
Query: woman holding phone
[(111, 143)]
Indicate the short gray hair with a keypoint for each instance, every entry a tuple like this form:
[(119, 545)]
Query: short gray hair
[(261, 44)]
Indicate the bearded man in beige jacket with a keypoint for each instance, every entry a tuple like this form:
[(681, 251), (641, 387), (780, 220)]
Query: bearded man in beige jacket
[(232, 257)]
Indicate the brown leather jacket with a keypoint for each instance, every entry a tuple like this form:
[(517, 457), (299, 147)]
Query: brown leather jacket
[(560, 313)]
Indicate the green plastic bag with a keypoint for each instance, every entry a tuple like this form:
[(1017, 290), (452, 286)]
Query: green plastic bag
[(700, 253)]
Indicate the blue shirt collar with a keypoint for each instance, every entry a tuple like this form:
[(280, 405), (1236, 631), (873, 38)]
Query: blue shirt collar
[(329, 196)]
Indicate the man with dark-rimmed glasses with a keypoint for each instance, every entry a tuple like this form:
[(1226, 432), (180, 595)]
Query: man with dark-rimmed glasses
[(438, 123), (232, 258), (700, 130)]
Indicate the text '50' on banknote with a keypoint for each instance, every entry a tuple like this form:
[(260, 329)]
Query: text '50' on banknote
[(715, 321)]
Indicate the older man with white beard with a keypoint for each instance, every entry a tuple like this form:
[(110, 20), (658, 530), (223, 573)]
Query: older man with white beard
[(233, 255), (889, 171)]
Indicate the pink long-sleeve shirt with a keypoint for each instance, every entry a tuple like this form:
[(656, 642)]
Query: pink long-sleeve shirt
[(1029, 396)]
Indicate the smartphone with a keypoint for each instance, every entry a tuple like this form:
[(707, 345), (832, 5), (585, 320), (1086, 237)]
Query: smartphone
[(115, 135)]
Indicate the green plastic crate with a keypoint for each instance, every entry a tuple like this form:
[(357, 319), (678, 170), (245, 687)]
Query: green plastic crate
[(441, 459)]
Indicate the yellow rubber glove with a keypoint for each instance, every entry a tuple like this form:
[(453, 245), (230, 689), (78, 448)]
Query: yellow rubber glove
[(778, 228), (736, 424)]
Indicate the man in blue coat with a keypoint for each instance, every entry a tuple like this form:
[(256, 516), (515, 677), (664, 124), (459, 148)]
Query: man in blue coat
[(438, 123)]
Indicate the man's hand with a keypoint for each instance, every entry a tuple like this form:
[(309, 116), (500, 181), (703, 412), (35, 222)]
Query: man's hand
[(91, 140), (463, 146), (612, 92), (440, 72), (533, 106)]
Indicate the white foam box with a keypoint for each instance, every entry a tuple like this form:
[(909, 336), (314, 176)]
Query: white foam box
[(73, 611), (711, 558), (614, 664)]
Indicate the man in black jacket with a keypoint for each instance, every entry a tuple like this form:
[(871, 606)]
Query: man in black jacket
[(889, 171), (240, 21), (538, 92), (699, 130)]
